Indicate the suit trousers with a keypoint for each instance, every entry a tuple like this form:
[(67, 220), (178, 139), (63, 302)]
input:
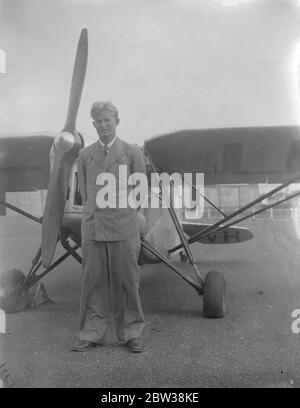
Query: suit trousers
[(110, 284)]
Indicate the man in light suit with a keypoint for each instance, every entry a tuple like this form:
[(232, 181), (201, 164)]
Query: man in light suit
[(110, 239)]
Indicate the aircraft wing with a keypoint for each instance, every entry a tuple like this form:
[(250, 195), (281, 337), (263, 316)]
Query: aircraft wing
[(268, 154), (24, 162)]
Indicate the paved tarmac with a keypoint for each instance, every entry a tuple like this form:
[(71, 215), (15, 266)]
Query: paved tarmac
[(252, 346)]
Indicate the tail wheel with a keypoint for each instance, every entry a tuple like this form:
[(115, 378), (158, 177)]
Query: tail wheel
[(214, 295)]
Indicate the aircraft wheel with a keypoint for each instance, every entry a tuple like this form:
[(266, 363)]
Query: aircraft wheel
[(13, 297), (214, 295)]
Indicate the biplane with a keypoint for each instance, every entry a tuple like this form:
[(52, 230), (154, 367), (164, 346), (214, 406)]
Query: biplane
[(225, 156)]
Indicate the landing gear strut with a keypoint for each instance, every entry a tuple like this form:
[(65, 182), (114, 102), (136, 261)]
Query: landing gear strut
[(212, 288), (18, 292)]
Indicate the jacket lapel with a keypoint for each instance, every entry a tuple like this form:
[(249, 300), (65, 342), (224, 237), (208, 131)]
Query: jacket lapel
[(105, 162), (114, 153), (98, 155)]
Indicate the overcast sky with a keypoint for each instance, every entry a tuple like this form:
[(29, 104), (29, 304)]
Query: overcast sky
[(167, 64)]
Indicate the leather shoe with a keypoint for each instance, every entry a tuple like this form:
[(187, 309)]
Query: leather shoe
[(134, 346), (83, 345)]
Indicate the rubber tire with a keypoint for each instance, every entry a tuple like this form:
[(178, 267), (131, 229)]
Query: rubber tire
[(214, 295), (13, 298)]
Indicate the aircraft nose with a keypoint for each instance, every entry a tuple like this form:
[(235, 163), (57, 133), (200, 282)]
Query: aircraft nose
[(64, 141)]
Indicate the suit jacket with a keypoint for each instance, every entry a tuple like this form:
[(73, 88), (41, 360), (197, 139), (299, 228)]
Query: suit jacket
[(107, 224)]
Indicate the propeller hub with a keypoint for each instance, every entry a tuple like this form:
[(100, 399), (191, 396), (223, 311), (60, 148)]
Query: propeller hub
[(64, 142)]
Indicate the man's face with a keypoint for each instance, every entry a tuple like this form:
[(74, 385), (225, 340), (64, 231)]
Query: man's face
[(105, 123)]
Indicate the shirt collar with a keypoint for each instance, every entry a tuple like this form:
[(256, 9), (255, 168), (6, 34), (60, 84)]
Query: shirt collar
[(109, 145)]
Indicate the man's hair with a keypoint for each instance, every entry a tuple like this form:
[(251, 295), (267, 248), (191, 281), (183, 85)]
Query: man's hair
[(99, 107)]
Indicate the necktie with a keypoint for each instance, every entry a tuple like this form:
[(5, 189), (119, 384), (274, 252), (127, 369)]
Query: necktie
[(106, 149)]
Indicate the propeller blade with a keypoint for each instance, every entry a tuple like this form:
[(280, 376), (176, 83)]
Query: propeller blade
[(77, 82), (63, 153), (54, 207)]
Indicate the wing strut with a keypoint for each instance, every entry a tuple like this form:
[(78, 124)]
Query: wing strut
[(210, 202), (184, 242), (267, 207), (19, 211), (213, 228)]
